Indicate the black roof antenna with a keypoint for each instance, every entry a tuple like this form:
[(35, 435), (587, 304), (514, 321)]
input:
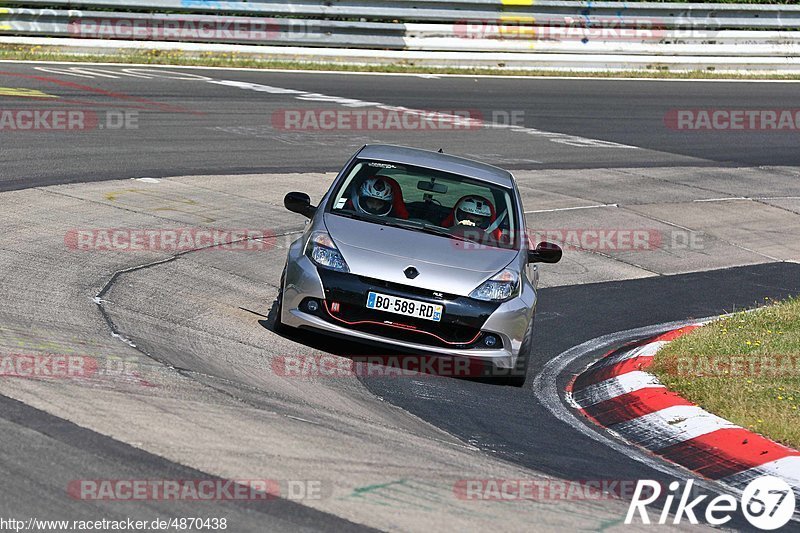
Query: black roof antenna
[(441, 151)]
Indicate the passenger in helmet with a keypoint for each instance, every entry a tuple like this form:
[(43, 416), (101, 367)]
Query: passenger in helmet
[(375, 197), (379, 196), (474, 211)]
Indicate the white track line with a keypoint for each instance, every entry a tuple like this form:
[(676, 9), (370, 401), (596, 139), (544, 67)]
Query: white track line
[(574, 77), (570, 208)]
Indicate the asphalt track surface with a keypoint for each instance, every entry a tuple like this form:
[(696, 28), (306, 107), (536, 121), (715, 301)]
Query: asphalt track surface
[(208, 129), (31, 435), (186, 127)]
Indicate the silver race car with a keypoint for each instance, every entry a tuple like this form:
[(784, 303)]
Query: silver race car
[(420, 251)]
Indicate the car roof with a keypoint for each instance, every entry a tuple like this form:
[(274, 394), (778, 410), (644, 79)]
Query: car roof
[(437, 161)]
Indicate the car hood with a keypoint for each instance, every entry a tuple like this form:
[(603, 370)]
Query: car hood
[(445, 265)]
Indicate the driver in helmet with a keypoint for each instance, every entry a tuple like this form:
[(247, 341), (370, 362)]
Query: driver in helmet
[(374, 196), (474, 211)]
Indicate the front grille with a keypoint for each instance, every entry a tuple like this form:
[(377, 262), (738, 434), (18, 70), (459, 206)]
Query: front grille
[(460, 326), (406, 288), (405, 328)]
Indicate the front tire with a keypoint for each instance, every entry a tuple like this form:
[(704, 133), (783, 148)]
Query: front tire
[(278, 326)]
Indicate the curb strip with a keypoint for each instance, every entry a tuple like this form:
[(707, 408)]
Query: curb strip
[(616, 393)]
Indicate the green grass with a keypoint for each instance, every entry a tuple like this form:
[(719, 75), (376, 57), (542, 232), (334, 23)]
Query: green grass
[(208, 59), (744, 368)]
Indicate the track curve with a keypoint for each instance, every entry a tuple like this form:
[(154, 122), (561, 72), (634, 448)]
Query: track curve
[(195, 327)]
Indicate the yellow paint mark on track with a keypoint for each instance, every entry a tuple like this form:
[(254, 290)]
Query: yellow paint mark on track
[(25, 93)]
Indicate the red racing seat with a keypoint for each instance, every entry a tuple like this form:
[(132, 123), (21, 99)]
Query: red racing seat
[(398, 204), (450, 220)]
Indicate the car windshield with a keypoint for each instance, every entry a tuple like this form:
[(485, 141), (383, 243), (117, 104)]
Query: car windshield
[(426, 200)]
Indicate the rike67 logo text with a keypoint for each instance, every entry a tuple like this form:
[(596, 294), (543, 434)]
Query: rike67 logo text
[(767, 502)]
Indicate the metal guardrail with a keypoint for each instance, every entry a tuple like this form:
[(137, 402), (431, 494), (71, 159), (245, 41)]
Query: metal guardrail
[(201, 28), (470, 26), (718, 16)]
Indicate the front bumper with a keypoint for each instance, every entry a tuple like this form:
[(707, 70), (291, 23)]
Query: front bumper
[(465, 322)]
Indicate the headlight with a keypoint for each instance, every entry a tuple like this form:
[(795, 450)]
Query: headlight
[(322, 251), (501, 287)]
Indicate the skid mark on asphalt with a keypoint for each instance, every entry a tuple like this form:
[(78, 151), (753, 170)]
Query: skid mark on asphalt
[(482, 156), (424, 116), (411, 494), (144, 103), (156, 201), (416, 495), (706, 232), (561, 138), (304, 139)]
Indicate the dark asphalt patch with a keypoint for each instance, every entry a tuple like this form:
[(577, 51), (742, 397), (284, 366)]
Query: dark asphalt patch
[(511, 424), (58, 451), (235, 135)]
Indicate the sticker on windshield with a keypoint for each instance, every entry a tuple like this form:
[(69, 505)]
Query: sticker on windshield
[(340, 203), (381, 165)]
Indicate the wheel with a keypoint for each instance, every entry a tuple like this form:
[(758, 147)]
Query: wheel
[(278, 326)]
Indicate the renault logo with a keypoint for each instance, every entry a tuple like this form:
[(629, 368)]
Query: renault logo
[(411, 272)]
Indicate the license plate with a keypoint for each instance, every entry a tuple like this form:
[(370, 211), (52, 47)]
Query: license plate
[(404, 306)]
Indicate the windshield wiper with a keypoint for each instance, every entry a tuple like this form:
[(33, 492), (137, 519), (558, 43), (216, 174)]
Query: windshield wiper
[(367, 218), (407, 224), (429, 228), (371, 218)]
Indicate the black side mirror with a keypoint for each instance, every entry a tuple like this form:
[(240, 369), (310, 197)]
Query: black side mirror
[(299, 202), (545, 252)]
